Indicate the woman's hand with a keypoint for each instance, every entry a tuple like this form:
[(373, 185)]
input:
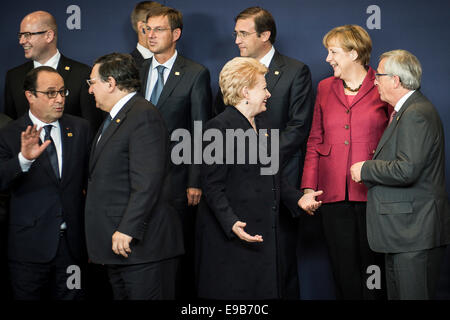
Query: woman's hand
[(238, 229), (308, 201)]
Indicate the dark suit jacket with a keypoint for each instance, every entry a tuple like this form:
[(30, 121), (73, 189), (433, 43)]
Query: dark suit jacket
[(127, 191), (186, 97), (39, 201), (407, 205), (78, 103), (4, 119), (290, 109), (227, 267), (341, 135), (137, 57)]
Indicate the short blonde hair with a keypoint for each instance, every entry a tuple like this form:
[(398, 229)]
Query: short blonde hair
[(236, 74), (351, 37)]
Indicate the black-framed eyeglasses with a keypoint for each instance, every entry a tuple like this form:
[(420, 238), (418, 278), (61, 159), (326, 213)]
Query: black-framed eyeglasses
[(242, 34), (156, 30), (378, 75), (52, 94), (28, 35)]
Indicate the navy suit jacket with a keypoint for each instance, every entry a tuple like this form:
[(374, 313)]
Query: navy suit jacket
[(78, 103), (40, 201), (185, 98), (127, 189)]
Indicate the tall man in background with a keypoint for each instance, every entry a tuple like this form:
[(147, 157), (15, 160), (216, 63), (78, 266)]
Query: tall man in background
[(180, 89), (38, 36), (289, 109), (138, 22), (408, 215)]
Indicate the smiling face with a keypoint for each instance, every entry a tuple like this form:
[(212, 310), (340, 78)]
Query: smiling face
[(37, 47), (42, 107), (339, 59), (258, 95)]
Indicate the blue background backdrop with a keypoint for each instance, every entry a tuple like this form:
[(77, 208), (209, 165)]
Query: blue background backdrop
[(422, 27)]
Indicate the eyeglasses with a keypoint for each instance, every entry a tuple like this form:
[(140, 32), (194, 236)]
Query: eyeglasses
[(156, 30), (242, 34), (52, 94), (90, 82), (378, 75), (28, 35)]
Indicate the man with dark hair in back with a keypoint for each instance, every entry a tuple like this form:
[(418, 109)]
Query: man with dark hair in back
[(289, 109), (138, 22), (43, 163), (130, 226), (38, 36)]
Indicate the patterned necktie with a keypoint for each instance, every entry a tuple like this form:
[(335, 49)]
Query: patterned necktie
[(51, 150), (105, 125), (392, 117), (158, 86)]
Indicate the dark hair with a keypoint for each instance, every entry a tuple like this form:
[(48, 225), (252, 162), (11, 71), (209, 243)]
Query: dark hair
[(174, 16), (30, 82), (263, 21), (122, 68), (140, 11)]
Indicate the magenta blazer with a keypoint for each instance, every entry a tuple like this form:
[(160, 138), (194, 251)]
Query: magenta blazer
[(342, 134)]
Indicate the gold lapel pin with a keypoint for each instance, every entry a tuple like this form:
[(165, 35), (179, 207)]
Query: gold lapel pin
[(266, 134), (117, 120), (398, 118), (69, 134), (177, 73), (67, 68), (277, 72)]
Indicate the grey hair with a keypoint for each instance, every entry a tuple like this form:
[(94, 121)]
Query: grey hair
[(405, 65)]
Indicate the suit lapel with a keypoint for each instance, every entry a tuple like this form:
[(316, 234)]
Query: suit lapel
[(391, 128), (64, 68), (338, 90), (112, 128), (176, 74), (367, 86), (275, 71), (67, 140)]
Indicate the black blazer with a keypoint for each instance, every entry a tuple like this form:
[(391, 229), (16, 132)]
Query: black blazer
[(137, 57), (227, 267), (127, 191), (290, 109), (39, 201), (78, 103), (4, 119), (186, 97)]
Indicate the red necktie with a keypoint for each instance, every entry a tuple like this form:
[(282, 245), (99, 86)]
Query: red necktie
[(392, 116)]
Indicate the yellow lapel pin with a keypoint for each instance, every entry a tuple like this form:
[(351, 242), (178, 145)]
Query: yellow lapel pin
[(177, 73), (67, 68), (277, 72), (69, 134), (117, 120)]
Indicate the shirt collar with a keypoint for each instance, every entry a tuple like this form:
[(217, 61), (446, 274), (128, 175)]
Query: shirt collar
[(39, 124), (52, 62), (119, 104), (147, 54), (268, 57), (402, 100), (168, 64)]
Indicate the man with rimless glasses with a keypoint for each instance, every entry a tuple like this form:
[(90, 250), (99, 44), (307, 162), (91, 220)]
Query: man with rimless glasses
[(38, 36), (43, 163)]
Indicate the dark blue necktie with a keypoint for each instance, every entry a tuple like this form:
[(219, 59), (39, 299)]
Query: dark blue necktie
[(158, 86), (106, 123), (51, 150)]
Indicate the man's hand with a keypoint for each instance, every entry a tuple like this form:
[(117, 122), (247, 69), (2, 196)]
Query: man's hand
[(238, 229), (308, 201), (193, 196), (30, 147), (355, 171), (121, 243)]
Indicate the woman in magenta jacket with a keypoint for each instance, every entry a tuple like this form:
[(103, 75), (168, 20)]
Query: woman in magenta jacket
[(349, 119)]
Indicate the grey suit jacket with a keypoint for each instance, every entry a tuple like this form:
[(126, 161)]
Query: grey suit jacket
[(407, 205)]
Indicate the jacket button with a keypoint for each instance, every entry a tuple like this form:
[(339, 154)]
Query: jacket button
[(346, 143), (347, 111), (347, 126), (373, 151)]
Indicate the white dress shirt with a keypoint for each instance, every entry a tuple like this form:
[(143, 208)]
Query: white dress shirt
[(147, 54), (153, 74), (268, 57), (402, 100), (52, 62)]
